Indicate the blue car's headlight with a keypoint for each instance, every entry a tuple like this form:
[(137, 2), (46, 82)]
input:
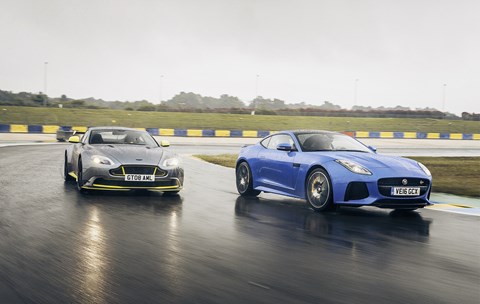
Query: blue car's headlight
[(354, 167), (101, 160), (425, 169), (171, 162)]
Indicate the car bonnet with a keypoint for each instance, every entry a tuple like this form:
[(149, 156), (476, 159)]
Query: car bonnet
[(132, 154)]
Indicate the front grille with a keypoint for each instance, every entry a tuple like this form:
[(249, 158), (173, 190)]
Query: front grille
[(385, 185), (163, 183), (150, 170)]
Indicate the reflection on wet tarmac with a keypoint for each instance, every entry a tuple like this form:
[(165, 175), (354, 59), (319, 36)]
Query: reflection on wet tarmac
[(353, 221), (360, 233), (92, 256)]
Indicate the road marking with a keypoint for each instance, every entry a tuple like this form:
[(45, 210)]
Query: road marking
[(258, 285), (455, 208)]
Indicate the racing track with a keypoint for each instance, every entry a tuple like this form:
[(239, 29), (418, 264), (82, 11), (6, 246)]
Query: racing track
[(209, 245)]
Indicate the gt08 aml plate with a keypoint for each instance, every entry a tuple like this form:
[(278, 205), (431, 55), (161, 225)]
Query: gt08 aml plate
[(139, 178), (405, 191)]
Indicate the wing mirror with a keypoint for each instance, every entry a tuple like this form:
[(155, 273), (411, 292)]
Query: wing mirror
[(74, 139), (284, 147), (165, 143), (373, 148)]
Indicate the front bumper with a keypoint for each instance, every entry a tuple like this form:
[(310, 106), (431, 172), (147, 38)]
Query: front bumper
[(377, 191), (103, 179)]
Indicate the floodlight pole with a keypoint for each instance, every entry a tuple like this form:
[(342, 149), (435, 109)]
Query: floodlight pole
[(355, 92), (444, 97), (45, 65), (161, 88)]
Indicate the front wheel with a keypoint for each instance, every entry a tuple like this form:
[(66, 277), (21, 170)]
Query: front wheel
[(319, 190), (66, 176), (244, 180), (80, 181)]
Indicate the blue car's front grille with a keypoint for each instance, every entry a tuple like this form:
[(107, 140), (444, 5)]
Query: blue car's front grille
[(385, 184)]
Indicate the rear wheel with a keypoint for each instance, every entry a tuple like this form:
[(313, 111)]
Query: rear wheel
[(66, 176), (319, 190), (244, 180)]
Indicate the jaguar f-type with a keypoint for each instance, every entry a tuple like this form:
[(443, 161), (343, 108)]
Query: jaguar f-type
[(330, 169)]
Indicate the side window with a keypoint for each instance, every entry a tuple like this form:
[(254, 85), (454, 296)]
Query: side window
[(265, 142), (280, 139)]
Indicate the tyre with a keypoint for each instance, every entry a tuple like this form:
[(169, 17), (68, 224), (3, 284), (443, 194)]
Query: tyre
[(80, 181), (66, 176), (319, 190), (244, 180)]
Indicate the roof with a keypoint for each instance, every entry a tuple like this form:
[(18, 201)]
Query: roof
[(112, 128)]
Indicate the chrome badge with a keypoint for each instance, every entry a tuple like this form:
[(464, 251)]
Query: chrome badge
[(404, 181)]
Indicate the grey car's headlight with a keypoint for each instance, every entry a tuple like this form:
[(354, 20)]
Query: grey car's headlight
[(425, 169), (171, 162), (101, 160), (354, 167)]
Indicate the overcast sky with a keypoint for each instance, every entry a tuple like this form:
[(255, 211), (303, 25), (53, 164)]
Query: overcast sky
[(402, 52)]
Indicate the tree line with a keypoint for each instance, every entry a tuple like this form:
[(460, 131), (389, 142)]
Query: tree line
[(192, 102)]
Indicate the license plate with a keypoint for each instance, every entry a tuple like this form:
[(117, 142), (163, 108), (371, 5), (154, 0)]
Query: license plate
[(139, 178), (405, 191)]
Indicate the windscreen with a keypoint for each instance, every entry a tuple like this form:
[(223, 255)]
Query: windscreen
[(310, 142), (125, 137)]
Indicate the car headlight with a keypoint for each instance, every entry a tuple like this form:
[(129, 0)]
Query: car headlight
[(101, 160), (354, 167), (425, 169), (171, 162)]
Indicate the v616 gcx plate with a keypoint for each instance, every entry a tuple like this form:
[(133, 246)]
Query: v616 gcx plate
[(405, 191)]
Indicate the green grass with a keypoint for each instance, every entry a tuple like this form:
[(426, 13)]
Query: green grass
[(454, 175), (138, 119)]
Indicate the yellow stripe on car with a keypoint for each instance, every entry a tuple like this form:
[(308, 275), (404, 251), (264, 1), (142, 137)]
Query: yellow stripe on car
[(124, 187), (72, 174)]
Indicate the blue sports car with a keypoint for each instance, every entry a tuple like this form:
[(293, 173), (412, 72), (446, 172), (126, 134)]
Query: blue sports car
[(331, 169)]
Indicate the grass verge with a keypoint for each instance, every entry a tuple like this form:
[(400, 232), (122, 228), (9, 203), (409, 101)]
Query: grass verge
[(139, 119), (453, 175)]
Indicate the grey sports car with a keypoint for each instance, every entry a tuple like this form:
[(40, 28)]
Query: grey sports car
[(115, 158)]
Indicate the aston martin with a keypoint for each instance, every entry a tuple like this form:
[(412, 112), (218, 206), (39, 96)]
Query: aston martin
[(115, 158)]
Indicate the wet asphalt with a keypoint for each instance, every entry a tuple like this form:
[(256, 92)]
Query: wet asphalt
[(208, 245)]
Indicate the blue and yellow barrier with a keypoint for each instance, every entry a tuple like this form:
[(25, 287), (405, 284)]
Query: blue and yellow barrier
[(52, 129)]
